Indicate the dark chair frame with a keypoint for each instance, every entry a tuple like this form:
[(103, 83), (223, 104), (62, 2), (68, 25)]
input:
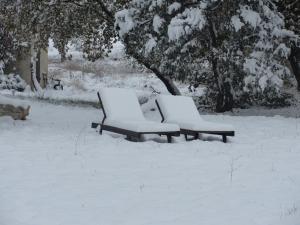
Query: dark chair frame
[(131, 135), (195, 133)]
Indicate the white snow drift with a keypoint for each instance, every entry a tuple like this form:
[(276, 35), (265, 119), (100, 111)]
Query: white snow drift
[(55, 169)]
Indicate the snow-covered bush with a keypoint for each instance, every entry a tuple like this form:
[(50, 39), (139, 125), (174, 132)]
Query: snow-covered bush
[(243, 43), (12, 82)]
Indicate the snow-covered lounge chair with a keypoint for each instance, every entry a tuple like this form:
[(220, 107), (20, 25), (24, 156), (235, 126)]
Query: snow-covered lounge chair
[(123, 115), (183, 111)]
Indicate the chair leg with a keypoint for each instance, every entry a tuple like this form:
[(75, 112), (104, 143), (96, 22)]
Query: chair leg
[(94, 125), (134, 138), (140, 138), (128, 138), (196, 136), (224, 137), (101, 130), (186, 137), (169, 138)]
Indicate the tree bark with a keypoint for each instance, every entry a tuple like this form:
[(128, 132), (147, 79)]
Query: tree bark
[(167, 81), (295, 63), (224, 98)]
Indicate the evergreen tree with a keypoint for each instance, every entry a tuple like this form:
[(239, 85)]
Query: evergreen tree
[(241, 44), (35, 22), (236, 50), (291, 12), (7, 48)]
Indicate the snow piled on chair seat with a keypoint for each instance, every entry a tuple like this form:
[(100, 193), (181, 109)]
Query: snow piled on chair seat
[(123, 111), (178, 108), (183, 111), (142, 126), (121, 104), (202, 125)]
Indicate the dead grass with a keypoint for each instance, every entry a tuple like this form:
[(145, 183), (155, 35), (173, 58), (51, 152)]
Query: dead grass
[(99, 68), (77, 84)]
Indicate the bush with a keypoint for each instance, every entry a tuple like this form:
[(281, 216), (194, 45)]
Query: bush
[(273, 99), (12, 82)]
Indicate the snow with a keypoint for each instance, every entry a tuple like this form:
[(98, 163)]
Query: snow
[(178, 108), (251, 17), (73, 47), (250, 65), (124, 21), (283, 51), (82, 87), (121, 104), (184, 23), (60, 171), (201, 125), (12, 81), (150, 44), (81, 79), (123, 111), (182, 110), (9, 101), (236, 22), (142, 125), (52, 52), (154, 3), (262, 74), (174, 7), (157, 23), (117, 51)]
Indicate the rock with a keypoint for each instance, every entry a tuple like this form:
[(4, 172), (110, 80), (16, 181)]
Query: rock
[(16, 112)]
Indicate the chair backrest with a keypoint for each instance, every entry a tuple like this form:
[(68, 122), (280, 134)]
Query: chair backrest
[(178, 108), (121, 104)]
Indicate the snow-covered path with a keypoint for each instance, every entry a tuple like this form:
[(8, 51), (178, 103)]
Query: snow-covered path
[(55, 170)]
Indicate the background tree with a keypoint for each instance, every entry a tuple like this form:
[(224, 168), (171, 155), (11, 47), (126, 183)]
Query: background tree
[(92, 22), (63, 20), (236, 50), (10, 44), (291, 12), (7, 47), (242, 45)]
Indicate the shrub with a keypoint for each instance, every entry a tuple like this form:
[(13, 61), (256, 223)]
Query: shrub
[(12, 82)]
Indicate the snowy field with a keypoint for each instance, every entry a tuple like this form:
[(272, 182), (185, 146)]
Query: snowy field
[(82, 79), (56, 170)]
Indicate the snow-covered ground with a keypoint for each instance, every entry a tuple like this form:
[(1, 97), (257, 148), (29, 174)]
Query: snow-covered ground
[(56, 170)]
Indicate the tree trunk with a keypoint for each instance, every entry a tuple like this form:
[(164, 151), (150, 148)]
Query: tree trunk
[(167, 81), (224, 98), (63, 57), (295, 63)]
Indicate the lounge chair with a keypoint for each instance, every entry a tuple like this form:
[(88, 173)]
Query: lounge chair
[(123, 115), (182, 111)]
